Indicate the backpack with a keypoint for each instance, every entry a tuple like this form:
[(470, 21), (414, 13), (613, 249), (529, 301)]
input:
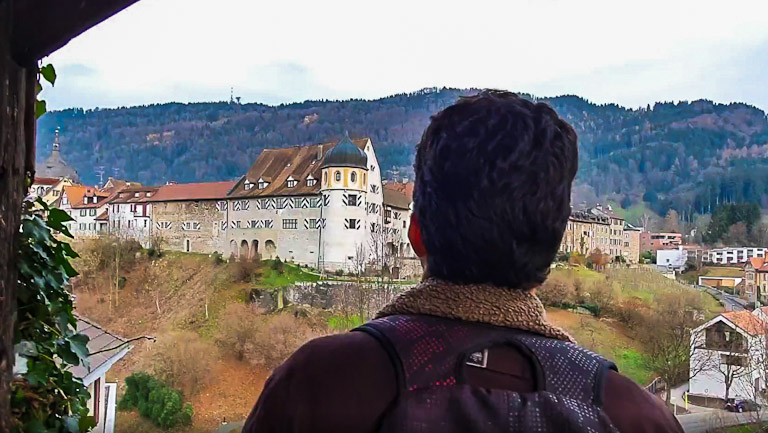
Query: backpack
[(430, 355)]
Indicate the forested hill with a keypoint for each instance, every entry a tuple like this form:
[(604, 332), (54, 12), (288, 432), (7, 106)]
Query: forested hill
[(689, 156)]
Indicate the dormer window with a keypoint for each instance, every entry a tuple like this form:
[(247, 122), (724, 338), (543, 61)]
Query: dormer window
[(149, 194), (291, 182), (135, 194), (95, 199), (248, 185), (262, 183), (311, 181)]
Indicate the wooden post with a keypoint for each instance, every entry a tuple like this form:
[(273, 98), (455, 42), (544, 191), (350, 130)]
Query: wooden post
[(17, 156)]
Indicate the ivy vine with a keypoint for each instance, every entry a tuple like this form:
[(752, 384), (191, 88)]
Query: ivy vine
[(45, 395)]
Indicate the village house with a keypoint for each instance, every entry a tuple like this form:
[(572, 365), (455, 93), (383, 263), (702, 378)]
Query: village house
[(189, 217), (729, 352), (49, 189), (585, 232), (84, 204), (755, 286), (130, 213)]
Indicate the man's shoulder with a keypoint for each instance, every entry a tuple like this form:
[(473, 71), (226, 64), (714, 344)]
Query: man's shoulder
[(352, 348), (632, 409)]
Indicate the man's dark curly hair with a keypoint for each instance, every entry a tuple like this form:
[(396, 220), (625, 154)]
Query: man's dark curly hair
[(493, 189)]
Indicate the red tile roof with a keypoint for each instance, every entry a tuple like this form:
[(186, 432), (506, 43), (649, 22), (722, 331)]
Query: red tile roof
[(104, 215), (759, 263), (128, 194), (401, 187), (276, 165), (192, 191), (46, 180), (395, 199), (747, 321), (77, 193)]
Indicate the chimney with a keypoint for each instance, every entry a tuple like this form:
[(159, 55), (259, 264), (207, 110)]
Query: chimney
[(319, 152)]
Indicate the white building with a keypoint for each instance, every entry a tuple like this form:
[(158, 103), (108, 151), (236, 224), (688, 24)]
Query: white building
[(87, 206), (672, 259), (730, 349), (130, 213), (319, 205), (732, 255)]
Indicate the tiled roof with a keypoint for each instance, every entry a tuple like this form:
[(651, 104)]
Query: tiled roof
[(192, 191), (104, 215), (128, 194), (395, 199), (401, 187), (46, 181), (99, 339), (276, 165), (77, 193), (746, 321), (759, 263)]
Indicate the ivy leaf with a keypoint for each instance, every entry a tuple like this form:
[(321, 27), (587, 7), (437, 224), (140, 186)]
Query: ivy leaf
[(35, 426), (26, 348), (87, 422), (38, 88), (67, 353), (48, 73), (57, 216), (79, 344), (40, 108), (37, 372)]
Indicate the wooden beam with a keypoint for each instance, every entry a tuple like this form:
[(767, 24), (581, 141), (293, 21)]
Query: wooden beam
[(41, 27), (17, 156)]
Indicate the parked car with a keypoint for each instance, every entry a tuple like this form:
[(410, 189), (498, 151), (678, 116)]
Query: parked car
[(742, 406)]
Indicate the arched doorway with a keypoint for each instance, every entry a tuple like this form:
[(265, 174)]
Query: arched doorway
[(233, 248), (270, 249), (254, 249), (244, 250)]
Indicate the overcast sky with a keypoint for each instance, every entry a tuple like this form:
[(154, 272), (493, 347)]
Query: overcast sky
[(629, 52)]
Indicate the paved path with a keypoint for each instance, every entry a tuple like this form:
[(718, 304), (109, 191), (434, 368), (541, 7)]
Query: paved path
[(731, 302)]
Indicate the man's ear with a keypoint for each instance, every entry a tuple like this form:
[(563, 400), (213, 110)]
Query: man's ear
[(414, 235)]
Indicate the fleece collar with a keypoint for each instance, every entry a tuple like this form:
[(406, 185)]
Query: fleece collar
[(483, 303)]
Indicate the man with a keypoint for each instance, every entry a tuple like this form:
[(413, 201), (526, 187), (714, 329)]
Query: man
[(469, 349)]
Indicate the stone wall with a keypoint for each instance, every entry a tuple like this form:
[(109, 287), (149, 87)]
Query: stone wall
[(202, 233)]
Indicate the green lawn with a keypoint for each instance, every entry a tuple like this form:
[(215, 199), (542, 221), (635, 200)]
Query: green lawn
[(722, 271), (271, 278)]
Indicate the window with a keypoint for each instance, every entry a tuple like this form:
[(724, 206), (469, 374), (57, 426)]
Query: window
[(325, 178), (248, 185), (263, 184), (337, 176), (297, 202), (133, 208), (351, 199), (135, 194), (82, 226), (290, 224), (291, 182), (353, 177), (365, 178), (95, 199), (311, 181), (83, 212), (146, 223), (351, 223), (187, 245), (190, 226), (92, 212), (311, 223)]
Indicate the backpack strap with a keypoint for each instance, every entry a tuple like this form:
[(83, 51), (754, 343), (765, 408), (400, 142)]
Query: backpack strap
[(428, 351)]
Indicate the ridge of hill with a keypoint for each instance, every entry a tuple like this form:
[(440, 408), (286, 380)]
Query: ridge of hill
[(689, 156)]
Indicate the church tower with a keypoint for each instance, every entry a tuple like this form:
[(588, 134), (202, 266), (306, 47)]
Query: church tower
[(55, 166), (343, 188)]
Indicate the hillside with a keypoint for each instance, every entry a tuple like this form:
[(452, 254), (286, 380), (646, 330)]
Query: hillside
[(686, 156)]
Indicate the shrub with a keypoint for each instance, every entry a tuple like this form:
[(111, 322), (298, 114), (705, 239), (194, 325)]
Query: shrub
[(277, 338), (237, 326), (183, 360), (278, 266), (156, 401), (216, 258), (246, 270), (339, 272), (557, 291)]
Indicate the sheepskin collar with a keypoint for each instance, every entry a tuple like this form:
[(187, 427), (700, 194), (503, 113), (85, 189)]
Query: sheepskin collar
[(482, 303)]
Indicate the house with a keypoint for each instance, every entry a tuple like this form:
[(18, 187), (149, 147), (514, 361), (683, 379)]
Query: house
[(84, 204), (732, 255), (190, 217), (105, 350), (48, 188), (755, 279), (615, 240), (130, 213), (659, 241), (320, 205), (585, 232), (632, 243), (672, 259), (720, 282), (728, 356)]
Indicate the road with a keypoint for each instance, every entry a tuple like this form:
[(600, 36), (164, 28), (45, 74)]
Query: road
[(711, 421), (731, 302)]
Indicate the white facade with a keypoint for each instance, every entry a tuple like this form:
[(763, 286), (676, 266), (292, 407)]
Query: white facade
[(716, 356), (672, 259), (733, 255), (130, 214), (84, 210)]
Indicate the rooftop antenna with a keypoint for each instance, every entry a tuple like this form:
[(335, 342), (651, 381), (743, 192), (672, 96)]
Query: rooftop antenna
[(100, 171), (231, 95)]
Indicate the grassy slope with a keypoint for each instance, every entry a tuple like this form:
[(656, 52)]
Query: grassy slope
[(607, 338)]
